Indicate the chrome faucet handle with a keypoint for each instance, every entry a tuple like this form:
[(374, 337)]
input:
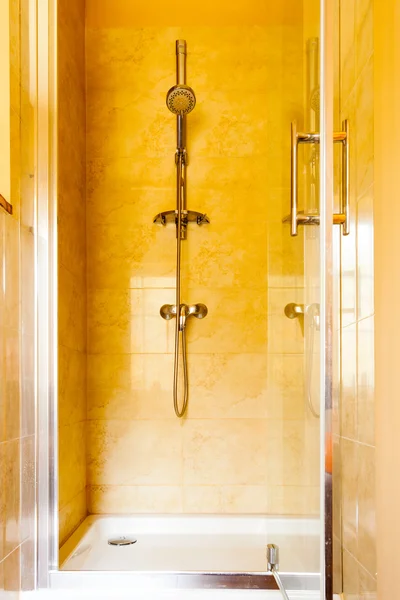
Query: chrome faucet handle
[(198, 310), (183, 315), (293, 310), (168, 311)]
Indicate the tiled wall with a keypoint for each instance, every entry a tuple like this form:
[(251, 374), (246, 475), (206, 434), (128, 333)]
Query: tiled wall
[(245, 444), (72, 265), (357, 442), (17, 439)]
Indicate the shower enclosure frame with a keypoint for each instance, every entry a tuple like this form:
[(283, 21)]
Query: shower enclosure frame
[(44, 13)]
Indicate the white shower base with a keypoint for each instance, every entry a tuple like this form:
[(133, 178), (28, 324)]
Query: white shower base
[(205, 544)]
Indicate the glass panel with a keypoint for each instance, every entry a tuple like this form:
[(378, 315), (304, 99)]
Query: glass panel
[(242, 468)]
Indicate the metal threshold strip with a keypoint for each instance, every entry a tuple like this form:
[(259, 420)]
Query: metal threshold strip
[(189, 580)]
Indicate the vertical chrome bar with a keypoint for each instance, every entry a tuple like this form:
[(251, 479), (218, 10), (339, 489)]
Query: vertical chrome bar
[(180, 132), (293, 177), (346, 178), (326, 291), (46, 331), (181, 62)]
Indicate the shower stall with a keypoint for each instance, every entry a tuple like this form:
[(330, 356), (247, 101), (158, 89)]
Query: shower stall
[(176, 453)]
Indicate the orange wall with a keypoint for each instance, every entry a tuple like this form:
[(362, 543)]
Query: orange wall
[(387, 291), (121, 13), (71, 265)]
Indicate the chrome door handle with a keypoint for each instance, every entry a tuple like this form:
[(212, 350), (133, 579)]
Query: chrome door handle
[(297, 218), (345, 208), (293, 181)]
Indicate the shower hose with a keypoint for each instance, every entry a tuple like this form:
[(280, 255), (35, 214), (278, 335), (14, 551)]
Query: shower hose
[(309, 361), (180, 325)]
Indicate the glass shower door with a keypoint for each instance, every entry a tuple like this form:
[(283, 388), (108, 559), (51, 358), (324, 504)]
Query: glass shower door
[(319, 219), (224, 446)]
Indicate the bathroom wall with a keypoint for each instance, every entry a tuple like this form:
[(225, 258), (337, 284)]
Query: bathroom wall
[(387, 252), (357, 440), (71, 265), (245, 445), (17, 393)]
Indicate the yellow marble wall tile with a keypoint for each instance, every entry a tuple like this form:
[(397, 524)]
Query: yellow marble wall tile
[(293, 500), (347, 48), (139, 57), (285, 255), (364, 36), (151, 126), (349, 269), (221, 451), (349, 463), (118, 14), (130, 255), (129, 321), (15, 159), (285, 335), (12, 393), (2, 498), (366, 382), (119, 179), (364, 137), (365, 254), (128, 499), (240, 329), (154, 448), (285, 393), (337, 564), (351, 576), (277, 206), (227, 175), (28, 488), (225, 499), (226, 124), (28, 566), (28, 279), (11, 276), (12, 496), (115, 198), (71, 515), (11, 573), (27, 183), (130, 386), (145, 56), (72, 450), (218, 389), (72, 233), (368, 584), (357, 398), (290, 461), (227, 255), (71, 116), (71, 386), (140, 386), (71, 310), (337, 490), (2, 272), (366, 552), (349, 382)]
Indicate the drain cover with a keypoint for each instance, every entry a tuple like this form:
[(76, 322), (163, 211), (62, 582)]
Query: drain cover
[(122, 541)]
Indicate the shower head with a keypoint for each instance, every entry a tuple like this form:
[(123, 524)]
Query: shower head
[(181, 99)]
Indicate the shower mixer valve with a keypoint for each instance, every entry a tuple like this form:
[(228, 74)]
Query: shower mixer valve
[(168, 312)]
